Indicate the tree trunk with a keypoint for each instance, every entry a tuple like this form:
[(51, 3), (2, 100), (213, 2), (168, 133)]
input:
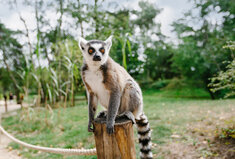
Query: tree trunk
[(119, 145), (6, 105), (18, 100), (39, 96), (96, 17), (72, 94), (66, 96), (211, 93)]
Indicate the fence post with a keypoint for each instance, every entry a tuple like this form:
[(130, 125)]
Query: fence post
[(119, 145)]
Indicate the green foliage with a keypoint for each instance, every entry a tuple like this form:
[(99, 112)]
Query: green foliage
[(157, 61), (12, 59), (187, 60), (159, 84), (200, 55), (225, 80), (146, 15), (63, 73), (49, 65), (156, 52), (227, 133), (5, 82)]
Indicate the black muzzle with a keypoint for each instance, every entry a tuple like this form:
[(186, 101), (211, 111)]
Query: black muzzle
[(96, 58)]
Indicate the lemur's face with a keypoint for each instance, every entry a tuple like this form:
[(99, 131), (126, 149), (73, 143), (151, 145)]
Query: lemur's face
[(95, 52)]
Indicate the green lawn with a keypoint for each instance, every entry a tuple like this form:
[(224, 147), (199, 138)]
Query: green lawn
[(170, 113)]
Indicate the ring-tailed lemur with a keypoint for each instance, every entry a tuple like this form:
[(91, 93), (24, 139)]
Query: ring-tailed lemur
[(109, 84)]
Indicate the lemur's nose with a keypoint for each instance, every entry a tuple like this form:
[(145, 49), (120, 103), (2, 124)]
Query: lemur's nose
[(96, 58)]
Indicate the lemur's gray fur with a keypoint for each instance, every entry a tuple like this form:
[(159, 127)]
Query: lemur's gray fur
[(109, 84)]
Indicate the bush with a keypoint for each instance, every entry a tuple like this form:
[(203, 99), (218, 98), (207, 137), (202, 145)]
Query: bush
[(176, 83), (228, 133), (225, 81), (160, 84), (154, 84)]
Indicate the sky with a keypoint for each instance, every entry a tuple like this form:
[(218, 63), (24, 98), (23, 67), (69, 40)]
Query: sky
[(172, 10)]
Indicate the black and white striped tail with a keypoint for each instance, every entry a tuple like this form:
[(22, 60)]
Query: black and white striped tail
[(144, 134)]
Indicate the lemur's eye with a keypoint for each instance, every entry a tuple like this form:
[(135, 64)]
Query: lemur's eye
[(102, 50), (91, 50)]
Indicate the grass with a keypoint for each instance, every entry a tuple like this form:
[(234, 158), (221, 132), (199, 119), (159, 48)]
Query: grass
[(169, 112)]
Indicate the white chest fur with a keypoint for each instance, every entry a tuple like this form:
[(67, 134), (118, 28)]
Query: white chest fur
[(95, 80)]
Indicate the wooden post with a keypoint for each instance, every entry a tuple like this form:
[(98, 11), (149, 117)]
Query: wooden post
[(119, 145)]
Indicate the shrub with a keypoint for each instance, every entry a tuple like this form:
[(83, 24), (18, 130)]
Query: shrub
[(160, 84)]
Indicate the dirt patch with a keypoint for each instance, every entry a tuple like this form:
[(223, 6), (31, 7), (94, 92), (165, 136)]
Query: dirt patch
[(177, 150), (203, 139), (5, 151), (223, 144)]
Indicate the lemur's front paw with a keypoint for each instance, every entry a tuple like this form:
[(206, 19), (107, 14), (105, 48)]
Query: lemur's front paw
[(110, 128), (90, 127)]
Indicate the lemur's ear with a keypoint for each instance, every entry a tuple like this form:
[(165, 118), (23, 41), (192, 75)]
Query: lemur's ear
[(108, 42), (82, 43)]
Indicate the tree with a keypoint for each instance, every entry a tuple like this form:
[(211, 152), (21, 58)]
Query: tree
[(199, 54), (77, 10), (156, 52), (157, 62), (12, 57)]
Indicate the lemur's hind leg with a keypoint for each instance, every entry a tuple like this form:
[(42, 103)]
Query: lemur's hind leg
[(131, 102), (128, 115), (102, 114)]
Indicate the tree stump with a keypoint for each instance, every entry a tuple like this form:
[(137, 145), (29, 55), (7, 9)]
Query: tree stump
[(119, 145)]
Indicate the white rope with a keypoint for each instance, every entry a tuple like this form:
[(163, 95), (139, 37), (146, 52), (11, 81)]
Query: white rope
[(49, 149)]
